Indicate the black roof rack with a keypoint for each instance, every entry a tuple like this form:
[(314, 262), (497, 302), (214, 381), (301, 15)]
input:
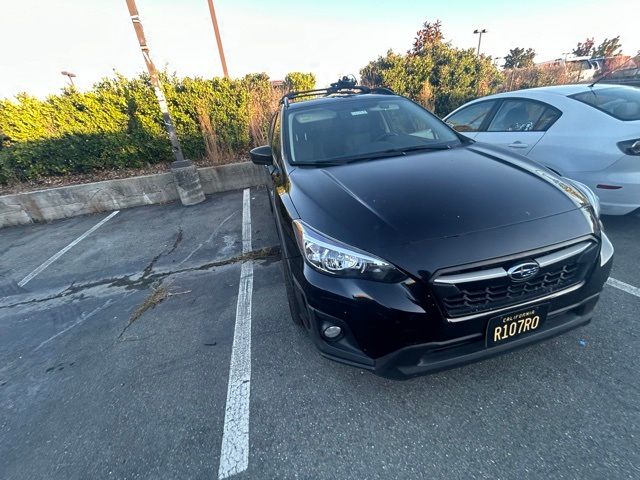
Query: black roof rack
[(344, 86)]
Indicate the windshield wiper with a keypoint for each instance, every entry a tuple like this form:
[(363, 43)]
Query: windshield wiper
[(352, 158), (364, 156), (396, 152), (426, 147)]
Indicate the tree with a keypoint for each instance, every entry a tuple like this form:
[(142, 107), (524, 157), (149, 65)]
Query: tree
[(298, 81), (430, 34), (609, 47), (519, 58), (436, 74), (584, 49)]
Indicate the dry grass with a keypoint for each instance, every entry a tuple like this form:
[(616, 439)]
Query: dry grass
[(427, 96), (539, 75), (557, 74), (158, 295), (215, 152), (262, 106)]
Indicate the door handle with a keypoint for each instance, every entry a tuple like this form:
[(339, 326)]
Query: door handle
[(518, 144)]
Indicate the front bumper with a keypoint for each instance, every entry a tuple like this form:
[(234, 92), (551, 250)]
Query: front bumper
[(397, 331), (427, 358)]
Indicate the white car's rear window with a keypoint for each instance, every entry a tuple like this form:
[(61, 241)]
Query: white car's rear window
[(622, 103)]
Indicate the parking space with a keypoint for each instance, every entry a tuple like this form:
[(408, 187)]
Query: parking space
[(115, 361)]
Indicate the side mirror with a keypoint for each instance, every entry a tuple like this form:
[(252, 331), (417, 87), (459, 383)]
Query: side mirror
[(262, 155)]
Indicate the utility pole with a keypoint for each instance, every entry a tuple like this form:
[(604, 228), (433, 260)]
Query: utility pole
[(188, 182), (70, 76), (216, 30), (479, 32)]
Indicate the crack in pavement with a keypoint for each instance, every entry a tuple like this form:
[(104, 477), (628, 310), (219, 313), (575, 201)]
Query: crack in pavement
[(158, 295), (141, 282), (149, 268), (177, 241)]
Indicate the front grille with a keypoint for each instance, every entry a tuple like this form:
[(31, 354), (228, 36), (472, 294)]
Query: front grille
[(461, 298)]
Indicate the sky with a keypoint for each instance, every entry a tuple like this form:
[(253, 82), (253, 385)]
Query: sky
[(94, 38)]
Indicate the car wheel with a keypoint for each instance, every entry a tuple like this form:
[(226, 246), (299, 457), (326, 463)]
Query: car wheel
[(297, 314)]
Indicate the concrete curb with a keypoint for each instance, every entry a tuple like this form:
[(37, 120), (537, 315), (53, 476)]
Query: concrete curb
[(65, 202)]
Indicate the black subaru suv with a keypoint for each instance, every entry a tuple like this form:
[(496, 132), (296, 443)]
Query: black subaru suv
[(408, 248)]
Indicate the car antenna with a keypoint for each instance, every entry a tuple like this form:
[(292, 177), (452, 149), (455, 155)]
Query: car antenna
[(609, 73)]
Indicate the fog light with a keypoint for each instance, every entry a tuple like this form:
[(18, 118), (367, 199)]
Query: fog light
[(332, 332)]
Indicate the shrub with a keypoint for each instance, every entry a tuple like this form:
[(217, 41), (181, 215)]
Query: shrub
[(439, 76), (299, 81), (118, 124)]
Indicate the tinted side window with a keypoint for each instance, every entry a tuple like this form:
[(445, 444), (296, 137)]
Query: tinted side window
[(547, 119), (622, 103), (470, 118), (523, 116)]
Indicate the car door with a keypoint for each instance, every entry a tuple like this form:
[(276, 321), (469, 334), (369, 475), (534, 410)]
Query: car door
[(275, 141), (281, 205), (469, 120), (518, 124)]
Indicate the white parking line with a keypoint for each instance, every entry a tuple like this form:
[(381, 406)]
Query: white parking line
[(79, 321), (55, 257), (234, 452), (625, 287)]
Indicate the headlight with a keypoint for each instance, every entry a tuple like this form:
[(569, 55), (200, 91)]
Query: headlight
[(580, 193), (335, 258), (587, 192)]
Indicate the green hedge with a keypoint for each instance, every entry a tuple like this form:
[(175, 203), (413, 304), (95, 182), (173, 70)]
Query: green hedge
[(439, 76), (118, 124)]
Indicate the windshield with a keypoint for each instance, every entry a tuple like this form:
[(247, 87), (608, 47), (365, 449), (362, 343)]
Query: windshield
[(622, 103), (345, 130)]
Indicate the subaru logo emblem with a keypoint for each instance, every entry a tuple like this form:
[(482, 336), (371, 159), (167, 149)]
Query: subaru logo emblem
[(523, 271)]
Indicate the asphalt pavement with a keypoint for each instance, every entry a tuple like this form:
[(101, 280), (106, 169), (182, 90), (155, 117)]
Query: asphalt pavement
[(115, 361)]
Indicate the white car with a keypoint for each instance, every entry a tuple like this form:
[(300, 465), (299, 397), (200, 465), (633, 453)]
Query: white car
[(587, 133)]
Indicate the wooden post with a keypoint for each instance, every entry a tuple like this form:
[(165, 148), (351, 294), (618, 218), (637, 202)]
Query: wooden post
[(216, 30), (155, 82), (185, 173)]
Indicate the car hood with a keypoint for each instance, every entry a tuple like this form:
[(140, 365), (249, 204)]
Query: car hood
[(435, 194)]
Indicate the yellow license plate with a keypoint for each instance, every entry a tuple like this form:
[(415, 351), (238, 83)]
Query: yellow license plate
[(514, 325)]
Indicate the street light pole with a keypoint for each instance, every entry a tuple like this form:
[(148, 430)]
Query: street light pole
[(479, 32), (187, 180), (216, 30), (70, 76)]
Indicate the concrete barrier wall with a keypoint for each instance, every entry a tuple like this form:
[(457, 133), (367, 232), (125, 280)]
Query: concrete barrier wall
[(231, 177), (64, 202)]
